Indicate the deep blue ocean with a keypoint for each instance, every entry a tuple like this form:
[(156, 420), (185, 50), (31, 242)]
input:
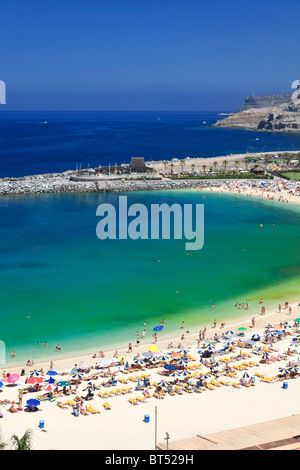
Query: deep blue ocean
[(49, 141)]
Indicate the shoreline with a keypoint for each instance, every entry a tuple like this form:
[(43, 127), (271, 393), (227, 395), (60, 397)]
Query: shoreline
[(68, 362)]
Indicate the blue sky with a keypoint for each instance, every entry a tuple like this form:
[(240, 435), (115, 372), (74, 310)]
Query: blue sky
[(146, 55)]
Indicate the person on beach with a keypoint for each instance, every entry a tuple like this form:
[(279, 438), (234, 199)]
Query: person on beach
[(215, 323), (279, 308), (143, 334), (182, 324), (129, 348), (253, 322)]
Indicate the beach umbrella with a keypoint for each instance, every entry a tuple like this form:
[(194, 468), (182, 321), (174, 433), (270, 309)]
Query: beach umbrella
[(33, 402), (182, 362), (175, 374), (204, 376), (265, 356), (255, 337), (163, 358), (184, 373), (13, 378), (63, 383), (154, 360), (162, 383), (90, 387), (147, 354), (35, 373), (297, 320), (293, 369), (77, 376), (170, 367), (176, 354), (52, 373), (229, 333), (183, 351), (242, 328), (209, 347), (108, 362), (139, 362), (283, 371), (214, 364), (153, 348), (50, 387), (246, 376), (34, 380), (1, 384)]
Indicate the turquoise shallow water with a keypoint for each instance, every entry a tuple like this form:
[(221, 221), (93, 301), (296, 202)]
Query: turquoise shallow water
[(86, 294)]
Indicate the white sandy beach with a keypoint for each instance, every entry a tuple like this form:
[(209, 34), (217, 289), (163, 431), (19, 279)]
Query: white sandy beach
[(182, 416)]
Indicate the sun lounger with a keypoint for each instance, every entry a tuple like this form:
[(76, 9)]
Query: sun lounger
[(209, 386), (90, 409), (107, 406), (236, 385), (224, 382), (215, 383), (133, 401), (62, 405), (142, 399)]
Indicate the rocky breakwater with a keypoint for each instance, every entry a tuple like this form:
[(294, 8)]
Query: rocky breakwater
[(46, 183)]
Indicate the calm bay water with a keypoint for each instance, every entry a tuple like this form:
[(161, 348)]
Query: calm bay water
[(85, 294)]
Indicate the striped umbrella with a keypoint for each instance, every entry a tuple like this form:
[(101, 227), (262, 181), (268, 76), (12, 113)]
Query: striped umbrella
[(185, 373), (229, 333), (182, 362), (154, 360), (163, 358), (214, 364), (283, 371), (139, 362), (175, 374), (255, 337), (162, 383), (50, 387), (183, 351), (246, 376), (209, 347), (90, 387), (294, 369), (204, 376), (77, 376), (35, 373), (265, 356)]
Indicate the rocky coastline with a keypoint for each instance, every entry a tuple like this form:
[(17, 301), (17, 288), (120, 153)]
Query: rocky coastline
[(61, 183)]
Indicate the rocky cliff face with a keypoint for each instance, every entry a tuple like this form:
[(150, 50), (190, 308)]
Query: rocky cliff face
[(269, 113), (265, 101)]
